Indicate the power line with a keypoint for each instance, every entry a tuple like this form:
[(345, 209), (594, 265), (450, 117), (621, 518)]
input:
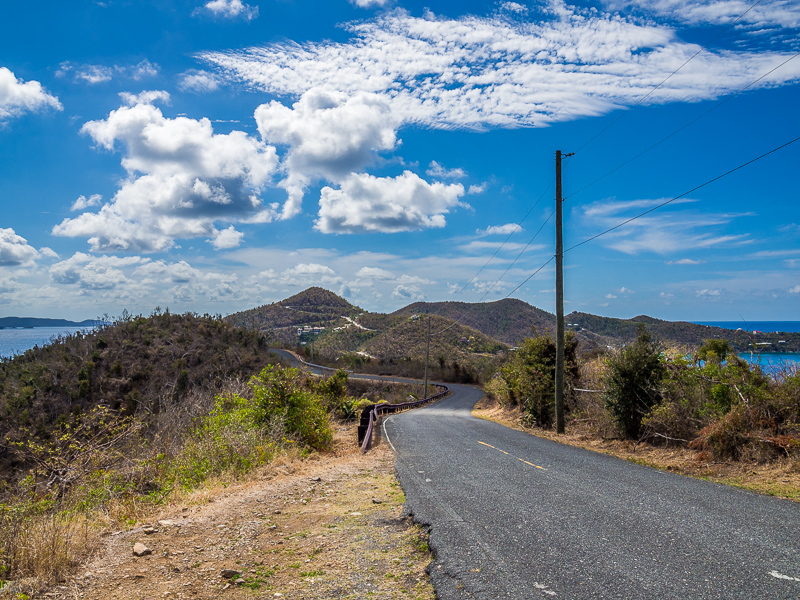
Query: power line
[(662, 140), (551, 259), (647, 95), (686, 193), (518, 227)]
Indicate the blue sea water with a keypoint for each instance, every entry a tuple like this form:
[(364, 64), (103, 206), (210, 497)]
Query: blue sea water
[(16, 341), (765, 326)]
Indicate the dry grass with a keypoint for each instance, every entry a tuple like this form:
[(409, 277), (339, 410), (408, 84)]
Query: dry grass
[(780, 478)]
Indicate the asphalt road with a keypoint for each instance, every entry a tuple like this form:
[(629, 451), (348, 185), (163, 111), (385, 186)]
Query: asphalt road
[(515, 516)]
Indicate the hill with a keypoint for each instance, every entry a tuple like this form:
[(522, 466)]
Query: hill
[(508, 320), (314, 307), (681, 332), (7, 322), (137, 365)]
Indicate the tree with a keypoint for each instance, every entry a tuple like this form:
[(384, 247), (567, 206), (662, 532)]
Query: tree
[(633, 382), (714, 351), (530, 376)]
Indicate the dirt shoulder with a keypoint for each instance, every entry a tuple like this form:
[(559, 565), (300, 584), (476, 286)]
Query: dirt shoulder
[(780, 478), (329, 526)]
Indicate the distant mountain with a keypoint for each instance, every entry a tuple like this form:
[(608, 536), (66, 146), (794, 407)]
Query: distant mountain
[(314, 307), (6, 322), (343, 327), (508, 320)]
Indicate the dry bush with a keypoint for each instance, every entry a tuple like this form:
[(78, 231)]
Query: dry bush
[(587, 409)]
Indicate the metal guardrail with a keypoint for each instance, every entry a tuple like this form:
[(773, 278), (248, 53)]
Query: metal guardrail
[(370, 414)]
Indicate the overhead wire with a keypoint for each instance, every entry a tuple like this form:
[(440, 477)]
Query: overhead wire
[(648, 94), (697, 118), (686, 193)]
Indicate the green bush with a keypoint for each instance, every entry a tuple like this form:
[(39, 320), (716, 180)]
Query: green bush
[(633, 382)]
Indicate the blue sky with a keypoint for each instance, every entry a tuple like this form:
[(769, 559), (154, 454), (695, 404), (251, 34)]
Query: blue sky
[(218, 155)]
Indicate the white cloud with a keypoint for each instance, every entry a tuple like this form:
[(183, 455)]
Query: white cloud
[(18, 97), (369, 3), (146, 97), (143, 69), (227, 238), (706, 293), (182, 178), (408, 292), (82, 203), (365, 203), (761, 15), (437, 170), (476, 72), (94, 74), (515, 7), (611, 296), (477, 246), (669, 231), (198, 81), (91, 272), (624, 290), (329, 135), (500, 229), (686, 261), (15, 250), (229, 9), (476, 189), (794, 290)]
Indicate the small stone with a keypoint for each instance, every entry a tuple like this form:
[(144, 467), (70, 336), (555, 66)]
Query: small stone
[(230, 573), (167, 523), (139, 549), (316, 479), (376, 501), (355, 514), (277, 512), (149, 530)]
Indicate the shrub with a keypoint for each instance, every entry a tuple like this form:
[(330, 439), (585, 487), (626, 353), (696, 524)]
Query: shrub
[(633, 382)]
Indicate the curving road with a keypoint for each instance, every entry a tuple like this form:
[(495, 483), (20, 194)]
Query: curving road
[(515, 516)]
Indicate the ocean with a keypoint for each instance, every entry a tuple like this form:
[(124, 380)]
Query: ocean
[(15, 341), (765, 326)]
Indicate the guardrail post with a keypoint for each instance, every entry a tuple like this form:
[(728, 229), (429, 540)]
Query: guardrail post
[(364, 423)]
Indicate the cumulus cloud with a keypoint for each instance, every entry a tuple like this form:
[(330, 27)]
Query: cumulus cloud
[(92, 272), (408, 293), (198, 81), (795, 289), (365, 203), (82, 203), (329, 135), (227, 238), (706, 293), (18, 97), (438, 171), (500, 229), (495, 71), (15, 250), (94, 74), (514, 7), (229, 9), (182, 178), (146, 97), (369, 3)]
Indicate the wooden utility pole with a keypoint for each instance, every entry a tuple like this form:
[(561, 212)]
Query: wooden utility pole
[(559, 303)]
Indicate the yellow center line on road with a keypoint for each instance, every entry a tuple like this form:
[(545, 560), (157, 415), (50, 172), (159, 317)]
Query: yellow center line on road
[(509, 454)]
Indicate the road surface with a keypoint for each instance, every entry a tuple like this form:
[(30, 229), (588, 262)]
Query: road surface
[(515, 516)]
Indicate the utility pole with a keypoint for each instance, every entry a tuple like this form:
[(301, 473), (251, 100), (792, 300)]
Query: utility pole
[(559, 302), (427, 354)]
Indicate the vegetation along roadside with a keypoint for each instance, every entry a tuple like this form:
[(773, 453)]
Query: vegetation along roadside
[(705, 413), (227, 482)]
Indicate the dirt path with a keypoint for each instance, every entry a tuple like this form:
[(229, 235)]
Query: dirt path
[(326, 528)]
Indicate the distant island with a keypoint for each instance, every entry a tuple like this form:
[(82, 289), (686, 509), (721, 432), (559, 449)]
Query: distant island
[(27, 322)]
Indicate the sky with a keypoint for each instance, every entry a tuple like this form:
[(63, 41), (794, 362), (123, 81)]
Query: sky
[(214, 156)]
